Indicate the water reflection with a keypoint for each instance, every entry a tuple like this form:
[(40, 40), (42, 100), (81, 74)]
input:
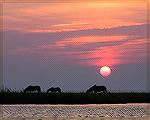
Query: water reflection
[(75, 112)]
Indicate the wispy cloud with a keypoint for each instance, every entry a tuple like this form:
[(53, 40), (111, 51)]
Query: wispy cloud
[(89, 32), (109, 46), (51, 16)]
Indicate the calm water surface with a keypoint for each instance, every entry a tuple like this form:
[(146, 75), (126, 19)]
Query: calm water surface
[(76, 112)]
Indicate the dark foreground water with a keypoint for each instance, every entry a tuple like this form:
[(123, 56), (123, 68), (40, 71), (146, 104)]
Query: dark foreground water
[(76, 112)]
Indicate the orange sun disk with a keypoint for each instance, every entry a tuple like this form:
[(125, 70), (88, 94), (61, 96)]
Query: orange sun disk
[(105, 71)]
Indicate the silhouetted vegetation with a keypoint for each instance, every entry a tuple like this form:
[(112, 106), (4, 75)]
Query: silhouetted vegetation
[(13, 97)]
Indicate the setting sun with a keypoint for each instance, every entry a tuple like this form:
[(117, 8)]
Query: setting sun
[(105, 71), (75, 45)]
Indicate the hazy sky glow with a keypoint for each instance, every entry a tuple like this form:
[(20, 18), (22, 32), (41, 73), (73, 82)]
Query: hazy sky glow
[(45, 37)]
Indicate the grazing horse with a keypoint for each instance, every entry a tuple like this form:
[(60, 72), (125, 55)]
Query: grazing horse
[(32, 89), (54, 90), (97, 89)]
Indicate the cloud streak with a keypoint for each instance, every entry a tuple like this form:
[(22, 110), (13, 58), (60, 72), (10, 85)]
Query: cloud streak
[(51, 16), (109, 46)]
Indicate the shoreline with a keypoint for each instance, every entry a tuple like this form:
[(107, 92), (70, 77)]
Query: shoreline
[(123, 104), (73, 98)]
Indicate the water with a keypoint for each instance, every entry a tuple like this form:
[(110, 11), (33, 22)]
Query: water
[(76, 112)]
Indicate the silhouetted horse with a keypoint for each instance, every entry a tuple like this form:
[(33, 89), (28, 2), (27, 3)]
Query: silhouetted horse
[(32, 89), (55, 90), (96, 89)]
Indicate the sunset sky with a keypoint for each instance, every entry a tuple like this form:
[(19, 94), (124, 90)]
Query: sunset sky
[(65, 45)]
